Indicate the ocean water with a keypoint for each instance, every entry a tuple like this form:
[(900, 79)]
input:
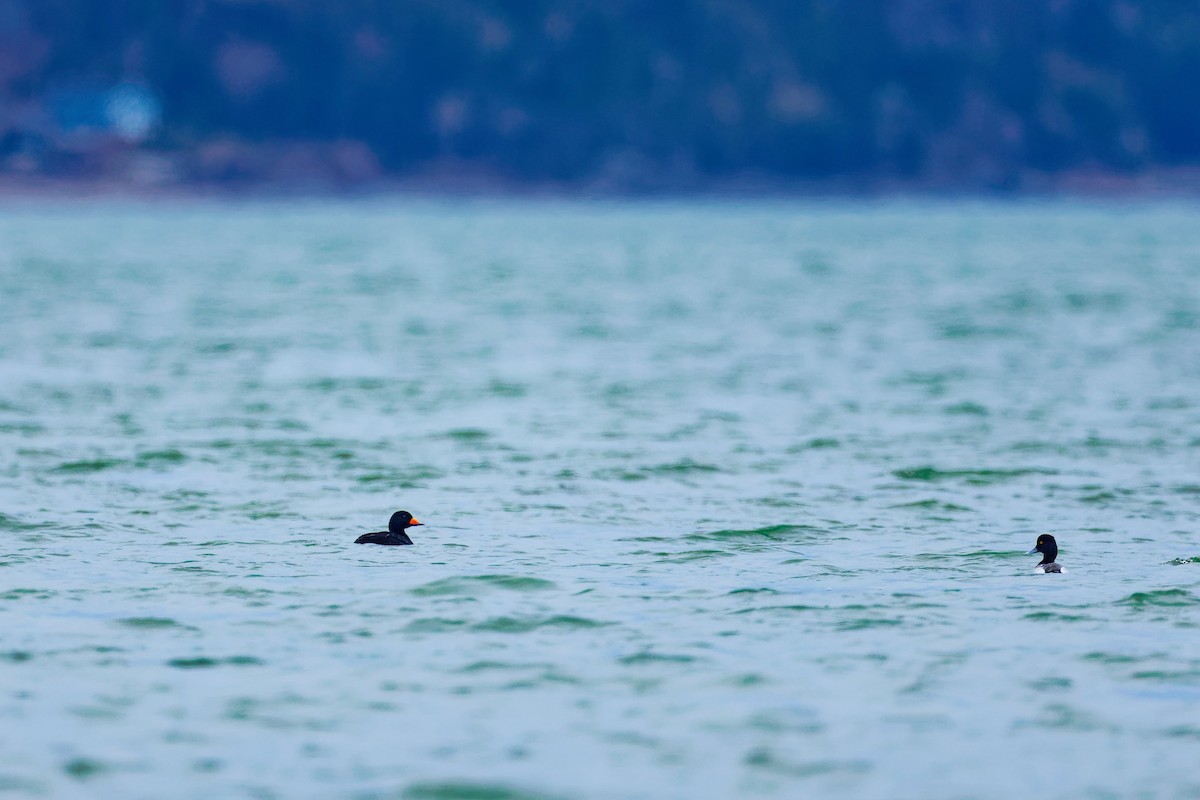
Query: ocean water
[(721, 499)]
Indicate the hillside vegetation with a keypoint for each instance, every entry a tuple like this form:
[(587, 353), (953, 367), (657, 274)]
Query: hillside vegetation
[(633, 95)]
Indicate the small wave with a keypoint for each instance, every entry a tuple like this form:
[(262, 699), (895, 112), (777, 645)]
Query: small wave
[(471, 585), (487, 666), (8, 523), (499, 388), (691, 555), (527, 624), (459, 790), (1168, 676), (970, 330), (649, 657), (238, 591), (1161, 598), (967, 408), (260, 510), (984, 554), (775, 609), (973, 477), (821, 443), (148, 622), (773, 533), (84, 768), (34, 594), (1183, 732), (203, 662), (26, 428), (1053, 616), (933, 505), (933, 382), (85, 467), (411, 478), (865, 623), (747, 680), (685, 467), (1111, 658), (196, 569), (466, 434), (434, 625), (1062, 716), (1037, 447), (678, 470), (158, 458), (1098, 498), (618, 475), (341, 384), (766, 759)]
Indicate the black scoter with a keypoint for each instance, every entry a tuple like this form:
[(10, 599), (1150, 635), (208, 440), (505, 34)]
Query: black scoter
[(394, 534)]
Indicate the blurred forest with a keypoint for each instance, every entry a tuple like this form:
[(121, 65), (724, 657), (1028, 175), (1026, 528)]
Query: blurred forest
[(607, 94)]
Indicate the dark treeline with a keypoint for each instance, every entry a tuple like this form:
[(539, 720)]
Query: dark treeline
[(630, 94)]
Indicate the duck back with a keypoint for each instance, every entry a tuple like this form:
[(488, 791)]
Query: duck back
[(383, 537)]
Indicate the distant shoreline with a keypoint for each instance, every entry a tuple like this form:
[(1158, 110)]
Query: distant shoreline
[(1174, 183)]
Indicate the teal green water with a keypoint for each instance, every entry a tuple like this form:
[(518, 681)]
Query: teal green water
[(722, 500)]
